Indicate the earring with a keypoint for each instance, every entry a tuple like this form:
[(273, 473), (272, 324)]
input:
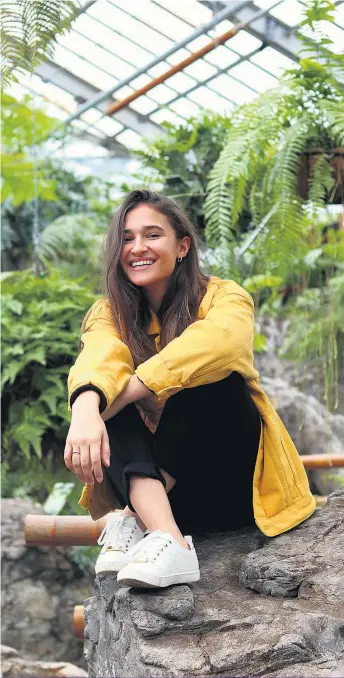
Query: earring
[(180, 259)]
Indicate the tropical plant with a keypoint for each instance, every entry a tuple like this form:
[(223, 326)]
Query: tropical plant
[(41, 319), (179, 161), (258, 168), (24, 128), (29, 29), (316, 331)]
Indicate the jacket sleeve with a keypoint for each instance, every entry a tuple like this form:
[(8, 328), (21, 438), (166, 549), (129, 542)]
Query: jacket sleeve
[(104, 364), (208, 350)]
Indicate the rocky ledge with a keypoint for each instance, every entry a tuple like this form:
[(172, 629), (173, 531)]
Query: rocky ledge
[(270, 607)]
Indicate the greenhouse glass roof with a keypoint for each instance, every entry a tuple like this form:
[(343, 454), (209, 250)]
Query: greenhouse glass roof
[(111, 40)]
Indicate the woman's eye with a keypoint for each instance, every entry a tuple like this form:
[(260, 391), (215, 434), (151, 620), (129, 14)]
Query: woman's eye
[(153, 235)]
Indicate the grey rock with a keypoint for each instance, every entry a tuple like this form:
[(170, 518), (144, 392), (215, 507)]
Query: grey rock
[(313, 429), (17, 667), (40, 586), (264, 606)]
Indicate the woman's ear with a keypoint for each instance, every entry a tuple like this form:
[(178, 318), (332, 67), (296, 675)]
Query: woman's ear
[(184, 246)]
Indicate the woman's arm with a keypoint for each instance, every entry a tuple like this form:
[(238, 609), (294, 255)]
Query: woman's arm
[(104, 364), (209, 349), (135, 390)]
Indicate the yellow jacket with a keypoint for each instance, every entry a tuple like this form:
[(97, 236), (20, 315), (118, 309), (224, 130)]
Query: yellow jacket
[(219, 342)]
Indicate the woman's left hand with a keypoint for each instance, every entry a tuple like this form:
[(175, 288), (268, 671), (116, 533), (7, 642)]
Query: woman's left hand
[(134, 390)]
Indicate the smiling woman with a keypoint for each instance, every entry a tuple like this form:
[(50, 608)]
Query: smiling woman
[(167, 409), (150, 251)]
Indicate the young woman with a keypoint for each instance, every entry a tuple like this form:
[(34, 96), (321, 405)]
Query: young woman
[(168, 419)]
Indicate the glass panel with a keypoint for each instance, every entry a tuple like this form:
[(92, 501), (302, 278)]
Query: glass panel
[(157, 17), (143, 105), (130, 139), (181, 82), (232, 89), (209, 100), (82, 69), (190, 11), (244, 43), (140, 81), (336, 34), (290, 12), (109, 126), (200, 69), (91, 116), (339, 15), (220, 28), (198, 43), (123, 92), (100, 57), (131, 28), (56, 95), (159, 69), (164, 115), (272, 60), (162, 94), (221, 57), (178, 56), (253, 76), (186, 108), (109, 38)]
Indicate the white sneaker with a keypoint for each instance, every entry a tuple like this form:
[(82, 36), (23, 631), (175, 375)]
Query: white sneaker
[(118, 536), (160, 561)]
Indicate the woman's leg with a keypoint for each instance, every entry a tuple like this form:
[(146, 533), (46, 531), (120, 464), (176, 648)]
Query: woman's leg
[(207, 439), (136, 478)]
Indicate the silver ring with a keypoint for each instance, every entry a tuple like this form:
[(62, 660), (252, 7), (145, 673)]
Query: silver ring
[(76, 452)]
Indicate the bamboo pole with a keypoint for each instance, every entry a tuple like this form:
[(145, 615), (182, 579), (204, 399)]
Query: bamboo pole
[(79, 621), (47, 530), (118, 105), (323, 460)]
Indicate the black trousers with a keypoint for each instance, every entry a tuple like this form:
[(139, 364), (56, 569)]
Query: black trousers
[(207, 439)]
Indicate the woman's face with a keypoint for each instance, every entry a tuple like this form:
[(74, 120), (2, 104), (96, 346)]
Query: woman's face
[(150, 248)]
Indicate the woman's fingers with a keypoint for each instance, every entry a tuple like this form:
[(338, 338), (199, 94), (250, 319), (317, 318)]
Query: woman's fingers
[(105, 449), (86, 463), (95, 460), (68, 456)]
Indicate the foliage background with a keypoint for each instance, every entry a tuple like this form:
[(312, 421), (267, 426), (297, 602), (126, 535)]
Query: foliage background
[(237, 177)]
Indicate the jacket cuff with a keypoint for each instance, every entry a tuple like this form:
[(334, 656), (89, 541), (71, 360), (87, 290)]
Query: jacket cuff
[(89, 387), (157, 377)]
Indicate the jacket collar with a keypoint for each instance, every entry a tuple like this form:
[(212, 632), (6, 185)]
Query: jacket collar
[(154, 326)]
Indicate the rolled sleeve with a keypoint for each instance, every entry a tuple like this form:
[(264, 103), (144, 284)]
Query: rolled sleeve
[(157, 377)]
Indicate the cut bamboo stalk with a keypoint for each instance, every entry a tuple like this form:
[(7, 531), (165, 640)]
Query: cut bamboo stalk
[(79, 621), (118, 105), (323, 460), (47, 530)]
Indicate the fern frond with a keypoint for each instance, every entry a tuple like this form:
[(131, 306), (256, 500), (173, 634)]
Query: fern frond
[(29, 28), (322, 181)]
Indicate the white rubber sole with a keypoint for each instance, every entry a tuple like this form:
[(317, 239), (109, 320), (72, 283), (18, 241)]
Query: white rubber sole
[(147, 580)]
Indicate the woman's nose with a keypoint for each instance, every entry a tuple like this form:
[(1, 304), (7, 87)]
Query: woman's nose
[(138, 247)]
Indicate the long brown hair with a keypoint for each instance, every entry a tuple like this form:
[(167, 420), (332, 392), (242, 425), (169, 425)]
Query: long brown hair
[(129, 306)]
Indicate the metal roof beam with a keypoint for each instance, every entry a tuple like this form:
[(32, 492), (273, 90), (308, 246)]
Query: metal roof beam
[(102, 96), (266, 28), (51, 72)]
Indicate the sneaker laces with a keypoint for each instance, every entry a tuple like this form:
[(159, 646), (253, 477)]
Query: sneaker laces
[(151, 547), (117, 534)]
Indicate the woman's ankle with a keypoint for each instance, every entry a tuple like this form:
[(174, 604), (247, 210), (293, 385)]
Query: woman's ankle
[(128, 512)]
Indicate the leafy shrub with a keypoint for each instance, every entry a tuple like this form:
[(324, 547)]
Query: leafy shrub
[(41, 320)]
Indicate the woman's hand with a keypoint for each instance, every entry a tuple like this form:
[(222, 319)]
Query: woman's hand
[(87, 433)]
